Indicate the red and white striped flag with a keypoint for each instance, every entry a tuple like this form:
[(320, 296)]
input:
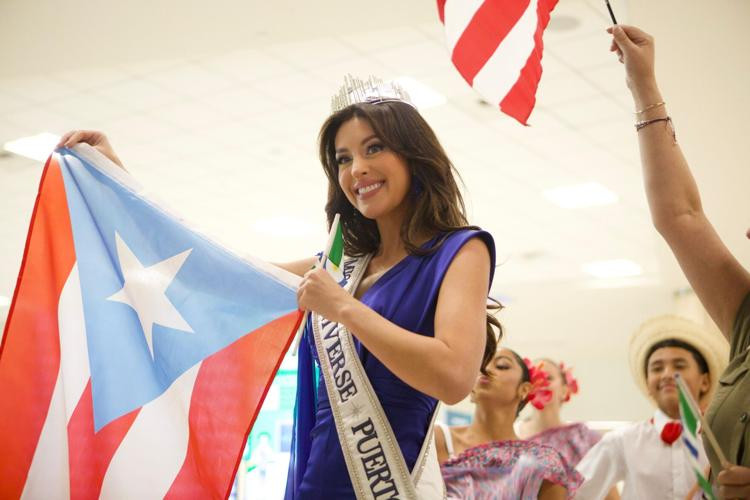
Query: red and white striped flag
[(497, 46)]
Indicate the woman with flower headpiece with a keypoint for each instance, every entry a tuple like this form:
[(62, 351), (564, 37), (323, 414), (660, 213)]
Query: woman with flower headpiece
[(408, 328), (486, 459), (545, 426)]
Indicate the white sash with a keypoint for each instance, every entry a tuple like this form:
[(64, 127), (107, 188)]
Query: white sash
[(373, 457)]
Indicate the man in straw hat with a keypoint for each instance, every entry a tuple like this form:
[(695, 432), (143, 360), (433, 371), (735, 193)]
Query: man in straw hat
[(648, 455)]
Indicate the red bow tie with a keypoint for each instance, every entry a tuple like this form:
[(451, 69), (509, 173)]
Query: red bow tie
[(671, 432)]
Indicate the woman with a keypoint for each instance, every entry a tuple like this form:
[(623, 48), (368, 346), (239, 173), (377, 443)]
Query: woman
[(419, 312), (545, 426), (721, 283), (486, 459)]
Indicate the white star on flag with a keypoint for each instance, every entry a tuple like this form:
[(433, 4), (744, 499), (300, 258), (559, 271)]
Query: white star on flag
[(144, 290)]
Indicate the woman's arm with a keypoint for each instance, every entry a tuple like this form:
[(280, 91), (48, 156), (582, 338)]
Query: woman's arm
[(99, 141), (444, 367), (720, 282), (440, 444), (552, 491), (298, 267), (95, 139)]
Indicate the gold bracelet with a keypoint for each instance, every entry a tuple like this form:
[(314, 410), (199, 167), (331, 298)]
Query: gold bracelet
[(666, 119), (650, 106)]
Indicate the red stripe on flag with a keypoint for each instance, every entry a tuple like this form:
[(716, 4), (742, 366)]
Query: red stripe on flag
[(441, 10), (30, 351), (90, 453), (487, 29), (519, 102), (229, 391)]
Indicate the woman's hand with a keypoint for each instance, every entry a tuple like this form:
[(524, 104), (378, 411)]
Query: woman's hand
[(92, 137), (635, 49), (734, 482), (318, 292)]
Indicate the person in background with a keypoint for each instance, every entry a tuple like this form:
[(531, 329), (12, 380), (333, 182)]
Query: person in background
[(648, 455), (721, 283), (486, 459), (545, 426)]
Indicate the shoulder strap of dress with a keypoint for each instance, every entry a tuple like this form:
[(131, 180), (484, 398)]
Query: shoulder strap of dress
[(447, 436)]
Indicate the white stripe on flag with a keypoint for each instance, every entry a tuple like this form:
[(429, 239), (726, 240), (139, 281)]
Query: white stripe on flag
[(502, 69), (48, 475), (74, 353), (457, 15), (152, 453), (49, 472)]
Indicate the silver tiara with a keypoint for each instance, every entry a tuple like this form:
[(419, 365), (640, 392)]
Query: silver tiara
[(373, 91)]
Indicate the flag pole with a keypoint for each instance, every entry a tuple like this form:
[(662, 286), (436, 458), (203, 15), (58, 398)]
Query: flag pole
[(611, 14), (725, 464), (320, 263)]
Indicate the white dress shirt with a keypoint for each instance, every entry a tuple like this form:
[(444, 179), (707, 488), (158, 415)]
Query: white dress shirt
[(636, 454)]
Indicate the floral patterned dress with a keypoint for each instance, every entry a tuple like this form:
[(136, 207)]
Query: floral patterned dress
[(573, 441), (507, 470)]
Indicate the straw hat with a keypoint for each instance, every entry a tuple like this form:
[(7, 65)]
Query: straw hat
[(711, 344)]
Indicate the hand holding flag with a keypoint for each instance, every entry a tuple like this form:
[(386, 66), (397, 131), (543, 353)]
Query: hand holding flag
[(690, 415), (734, 482), (329, 260)]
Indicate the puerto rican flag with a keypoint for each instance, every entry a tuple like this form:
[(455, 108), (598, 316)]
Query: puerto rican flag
[(137, 352), (497, 46)]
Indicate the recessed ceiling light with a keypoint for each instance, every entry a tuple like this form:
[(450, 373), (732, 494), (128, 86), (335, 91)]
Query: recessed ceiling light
[(37, 147), (617, 268), (589, 194), (421, 95)]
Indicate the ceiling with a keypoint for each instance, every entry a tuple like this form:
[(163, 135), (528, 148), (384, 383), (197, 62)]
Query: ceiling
[(215, 108)]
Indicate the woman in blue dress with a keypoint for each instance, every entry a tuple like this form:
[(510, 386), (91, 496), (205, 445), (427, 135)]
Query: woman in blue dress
[(419, 313)]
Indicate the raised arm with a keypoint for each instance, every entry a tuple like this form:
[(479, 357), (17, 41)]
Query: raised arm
[(445, 366), (719, 281), (298, 267)]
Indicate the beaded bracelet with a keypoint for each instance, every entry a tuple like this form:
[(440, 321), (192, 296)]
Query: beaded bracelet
[(666, 119), (650, 106)]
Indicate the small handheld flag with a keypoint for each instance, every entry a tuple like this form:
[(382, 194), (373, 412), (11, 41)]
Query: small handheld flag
[(496, 46), (335, 251), (330, 260), (690, 415)]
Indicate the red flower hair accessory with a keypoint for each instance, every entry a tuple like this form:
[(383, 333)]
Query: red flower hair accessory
[(539, 395), (570, 380)]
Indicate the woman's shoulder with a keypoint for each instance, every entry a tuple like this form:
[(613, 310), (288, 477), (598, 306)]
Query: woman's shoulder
[(466, 233), (501, 452), (509, 453), (449, 244), (539, 451), (579, 430)]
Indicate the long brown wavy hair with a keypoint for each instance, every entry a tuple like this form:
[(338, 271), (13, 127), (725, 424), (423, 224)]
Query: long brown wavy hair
[(437, 207)]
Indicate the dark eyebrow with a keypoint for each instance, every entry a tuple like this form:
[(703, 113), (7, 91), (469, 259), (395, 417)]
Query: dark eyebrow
[(498, 358), (676, 359), (344, 150)]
